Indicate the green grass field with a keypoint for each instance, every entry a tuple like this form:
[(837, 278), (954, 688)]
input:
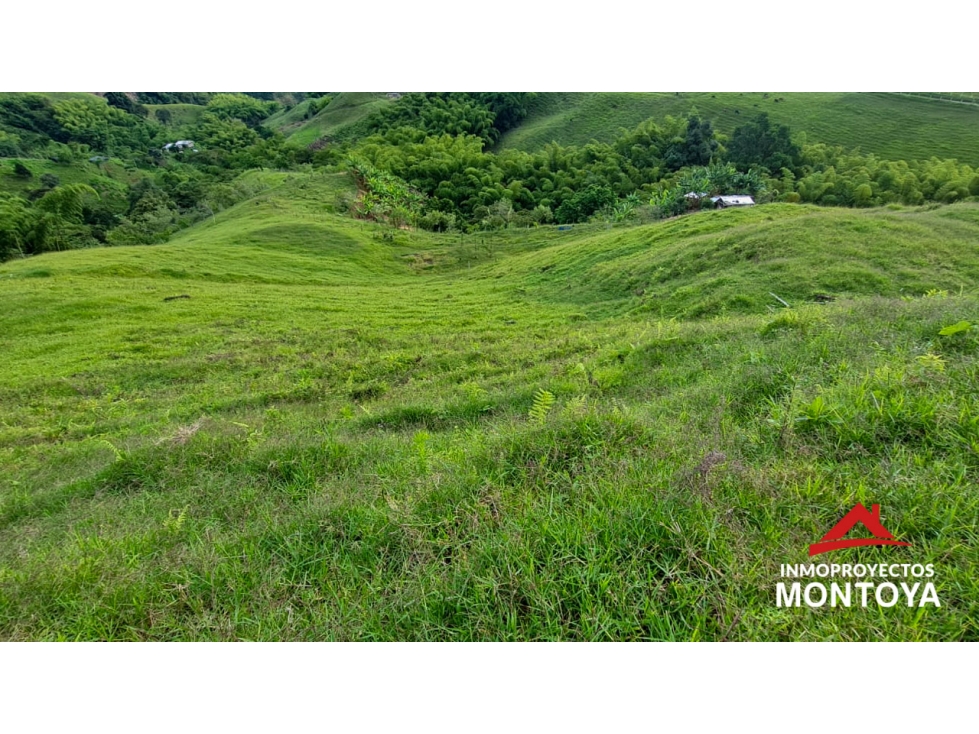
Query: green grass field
[(288, 118), (894, 126), (180, 114), (287, 424), (344, 109)]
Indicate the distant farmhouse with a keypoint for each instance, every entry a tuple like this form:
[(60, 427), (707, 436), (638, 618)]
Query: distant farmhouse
[(723, 202), (719, 202), (178, 146)]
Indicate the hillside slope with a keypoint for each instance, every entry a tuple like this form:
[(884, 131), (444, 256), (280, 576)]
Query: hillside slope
[(731, 261), (179, 113), (286, 424), (346, 108), (894, 126)]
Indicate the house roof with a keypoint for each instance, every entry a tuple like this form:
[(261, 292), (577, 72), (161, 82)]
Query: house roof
[(734, 200)]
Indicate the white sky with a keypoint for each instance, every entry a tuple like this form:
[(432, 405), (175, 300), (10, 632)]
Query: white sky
[(443, 45)]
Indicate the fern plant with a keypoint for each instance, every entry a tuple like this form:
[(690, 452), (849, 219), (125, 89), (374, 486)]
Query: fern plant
[(420, 442), (932, 362), (543, 402), (175, 520)]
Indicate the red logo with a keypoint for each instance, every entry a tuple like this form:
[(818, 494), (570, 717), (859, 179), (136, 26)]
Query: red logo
[(833, 540)]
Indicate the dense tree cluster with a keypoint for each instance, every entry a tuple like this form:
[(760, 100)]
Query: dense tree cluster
[(831, 176), (461, 178), (658, 163), (422, 161), (241, 107), (152, 194), (760, 143), (33, 126), (485, 115), (696, 148), (173, 97), (126, 103)]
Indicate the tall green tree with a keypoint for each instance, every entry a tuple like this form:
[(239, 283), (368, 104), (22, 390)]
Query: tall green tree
[(31, 113), (584, 204), (62, 210), (122, 101), (759, 143), (696, 147), (15, 224), (87, 120)]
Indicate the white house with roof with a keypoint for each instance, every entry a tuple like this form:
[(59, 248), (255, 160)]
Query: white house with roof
[(179, 145), (723, 202)]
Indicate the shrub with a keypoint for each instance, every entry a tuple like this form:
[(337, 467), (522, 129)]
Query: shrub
[(584, 203), (436, 221), (9, 145), (542, 214)]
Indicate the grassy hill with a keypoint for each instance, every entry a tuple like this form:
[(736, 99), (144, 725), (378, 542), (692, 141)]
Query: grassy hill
[(895, 126), (290, 118), (287, 424), (722, 262), (180, 114), (344, 109), (107, 172)]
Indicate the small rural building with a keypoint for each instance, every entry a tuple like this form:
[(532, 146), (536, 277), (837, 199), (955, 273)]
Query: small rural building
[(179, 145), (722, 202)]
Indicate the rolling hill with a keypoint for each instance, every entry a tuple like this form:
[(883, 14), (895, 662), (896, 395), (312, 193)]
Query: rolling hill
[(894, 126), (288, 424), (345, 109), (180, 114)]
